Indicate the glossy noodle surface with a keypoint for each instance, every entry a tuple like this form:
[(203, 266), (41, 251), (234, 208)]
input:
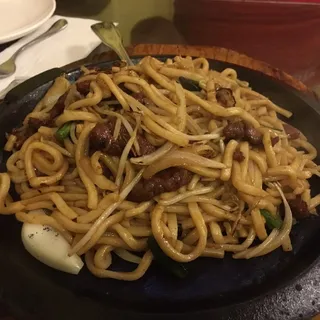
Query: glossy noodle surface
[(168, 160)]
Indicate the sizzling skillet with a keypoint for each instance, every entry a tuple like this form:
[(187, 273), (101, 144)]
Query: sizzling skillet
[(219, 289)]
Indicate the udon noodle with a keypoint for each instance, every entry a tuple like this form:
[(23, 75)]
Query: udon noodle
[(236, 182)]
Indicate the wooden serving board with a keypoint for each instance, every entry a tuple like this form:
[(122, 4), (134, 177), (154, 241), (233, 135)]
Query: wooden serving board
[(221, 54)]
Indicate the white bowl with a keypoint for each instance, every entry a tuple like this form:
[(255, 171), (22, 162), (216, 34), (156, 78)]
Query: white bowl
[(20, 17)]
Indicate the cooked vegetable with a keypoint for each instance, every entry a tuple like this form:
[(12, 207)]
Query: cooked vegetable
[(63, 132), (50, 247), (189, 84), (271, 220), (176, 268)]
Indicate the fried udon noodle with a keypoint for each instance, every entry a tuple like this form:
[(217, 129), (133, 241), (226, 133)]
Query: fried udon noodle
[(171, 150)]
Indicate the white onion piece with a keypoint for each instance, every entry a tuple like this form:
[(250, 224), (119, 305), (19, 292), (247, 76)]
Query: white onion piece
[(48, 246)]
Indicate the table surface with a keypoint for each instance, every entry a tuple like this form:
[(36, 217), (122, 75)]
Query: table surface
[(285, 36)]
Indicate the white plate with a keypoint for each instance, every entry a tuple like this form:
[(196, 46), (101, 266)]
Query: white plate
[(20, 17)]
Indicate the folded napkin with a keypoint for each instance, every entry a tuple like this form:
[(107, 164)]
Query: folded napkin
[(73, 43)]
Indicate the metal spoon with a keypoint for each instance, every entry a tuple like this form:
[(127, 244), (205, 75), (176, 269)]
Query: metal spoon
[(111, 37), (9, 67)]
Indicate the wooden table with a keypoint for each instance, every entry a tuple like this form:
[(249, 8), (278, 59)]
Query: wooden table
[(286, 35)]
